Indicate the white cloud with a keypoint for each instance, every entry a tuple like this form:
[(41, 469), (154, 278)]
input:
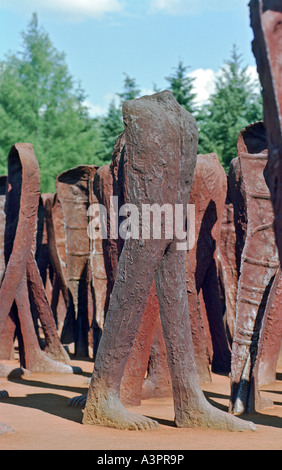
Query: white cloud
[(98, 110), (204, 87), (204, 84), (252, 72), (81, 8), (175, 7), (94, 110)]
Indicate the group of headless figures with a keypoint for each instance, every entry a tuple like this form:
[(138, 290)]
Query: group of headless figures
[(158, 317)]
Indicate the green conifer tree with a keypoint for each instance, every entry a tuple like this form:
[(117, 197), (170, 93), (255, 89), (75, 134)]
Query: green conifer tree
[(40, 103), (235, 103)]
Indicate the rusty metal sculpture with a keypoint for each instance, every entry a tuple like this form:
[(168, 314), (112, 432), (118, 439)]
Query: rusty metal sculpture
[(208, 194), (228, 271), (111, 182), (271, 334), (3, 184), (159, 135), (233, 236), (56, 242), (22, 287), (86, 277), (7, 336), (266, 21), (259, 264)]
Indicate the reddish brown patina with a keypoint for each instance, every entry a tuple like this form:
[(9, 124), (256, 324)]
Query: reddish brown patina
[(266, 21), (259, 263), (110, 181), (85, 268), (56, 243), (208, 194), (159, 135), (22, 287)]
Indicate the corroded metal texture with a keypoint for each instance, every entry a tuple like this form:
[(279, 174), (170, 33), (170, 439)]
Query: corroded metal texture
[(233, 236), (131, 389), (266, 20), (159, 135), (8, 333), (111, 181), (3, 183), (56, 252), (22, 287), (86, 278), (228, 267), (259, 263), (208, 194), (271, 334)]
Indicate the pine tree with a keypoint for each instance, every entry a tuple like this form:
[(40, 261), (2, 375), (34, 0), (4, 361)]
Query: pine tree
[(111, 128), (112, 123), (181, 86), (235, 103), (130, 89), (40, 103)]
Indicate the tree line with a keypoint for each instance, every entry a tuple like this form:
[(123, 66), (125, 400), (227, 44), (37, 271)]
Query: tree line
[(41, 103)]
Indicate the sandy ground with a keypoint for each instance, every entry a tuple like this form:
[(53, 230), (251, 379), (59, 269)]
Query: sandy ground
[(37, 410)]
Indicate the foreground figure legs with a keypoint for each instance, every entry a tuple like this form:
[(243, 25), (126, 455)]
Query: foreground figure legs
[(150, 181)]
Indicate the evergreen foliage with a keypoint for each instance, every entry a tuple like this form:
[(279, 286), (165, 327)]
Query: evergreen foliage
[(235, 103), (112, 123), (40, 103), (181, 86)]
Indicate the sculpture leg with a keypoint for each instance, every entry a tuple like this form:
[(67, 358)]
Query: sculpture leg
[(128, 301), (198, 327), (137, 364), (7, 336), (270, 341), (53, 347), (191, 407), (35, 359), (221, 353), (158, 381)]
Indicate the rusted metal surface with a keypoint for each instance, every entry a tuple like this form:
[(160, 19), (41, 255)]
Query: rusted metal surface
[(266, 21), (59, 297), (7, 335), (259, 263), (22, 283), (271, 334), (208, 194), (159, 135), (86, 278), (3, 183), (111, 181)]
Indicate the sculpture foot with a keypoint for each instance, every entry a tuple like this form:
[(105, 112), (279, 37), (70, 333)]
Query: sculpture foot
[(208, 416), (12, 372), (103, 408), (263, 403), (61, 355), (44, 363), (4, 394), (260, 404), (5, 429)]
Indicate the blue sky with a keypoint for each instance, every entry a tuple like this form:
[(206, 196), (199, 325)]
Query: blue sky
[(103, 39)]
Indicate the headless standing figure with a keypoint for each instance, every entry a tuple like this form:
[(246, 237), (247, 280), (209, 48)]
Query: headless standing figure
[(161, 142)]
